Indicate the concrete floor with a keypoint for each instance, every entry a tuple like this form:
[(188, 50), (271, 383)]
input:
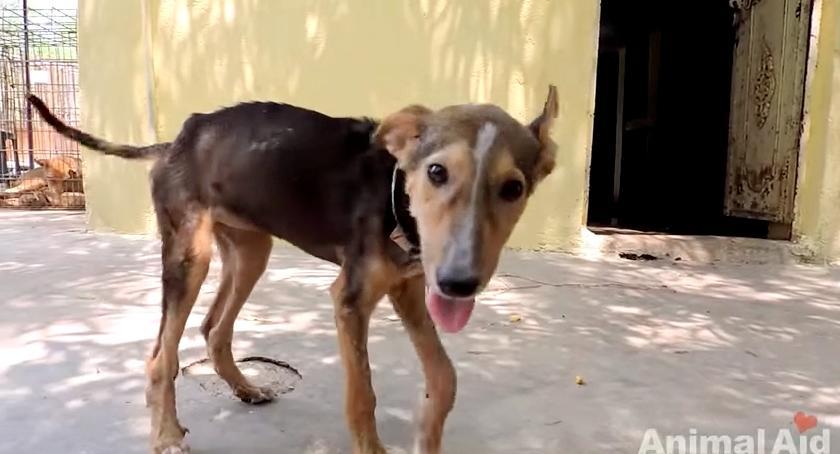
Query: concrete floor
[(675, 346)]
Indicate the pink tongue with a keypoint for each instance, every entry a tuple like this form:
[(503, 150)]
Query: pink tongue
[(450, 314)]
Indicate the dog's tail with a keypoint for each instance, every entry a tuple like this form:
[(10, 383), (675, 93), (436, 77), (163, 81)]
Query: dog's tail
[(109, 148)]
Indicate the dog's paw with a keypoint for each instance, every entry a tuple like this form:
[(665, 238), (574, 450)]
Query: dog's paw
[(179, 448), (373, 449), (422, 446), (254, 395)]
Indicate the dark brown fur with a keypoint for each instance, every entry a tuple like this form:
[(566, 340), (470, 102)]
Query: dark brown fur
[(242, 174)]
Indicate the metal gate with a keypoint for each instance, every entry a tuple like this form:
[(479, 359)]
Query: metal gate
[(38, 55)]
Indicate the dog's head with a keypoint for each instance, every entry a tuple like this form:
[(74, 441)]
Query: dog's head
[(61, 167), (469, 172)]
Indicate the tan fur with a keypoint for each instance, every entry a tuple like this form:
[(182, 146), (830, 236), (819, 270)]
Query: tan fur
[(429, 205), (543, 125), (376, 274), (480, 160), (473, 190), (162, 367), (439, 210), (502, 218), (408, 299), (399, 133), (29, 181), (55, 177), (244, 258), (63, 174), (352, 318)]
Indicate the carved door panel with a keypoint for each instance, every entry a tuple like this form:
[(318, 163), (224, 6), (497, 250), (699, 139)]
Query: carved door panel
[(768, 78)]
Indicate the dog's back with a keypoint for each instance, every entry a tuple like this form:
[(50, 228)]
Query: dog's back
[(293, 172), (242, 174)]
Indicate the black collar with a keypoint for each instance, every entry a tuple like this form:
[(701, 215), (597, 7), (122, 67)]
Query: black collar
[(400, 210)]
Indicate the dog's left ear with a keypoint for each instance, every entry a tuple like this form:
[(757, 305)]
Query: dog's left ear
[(400, 132), (541, 128)]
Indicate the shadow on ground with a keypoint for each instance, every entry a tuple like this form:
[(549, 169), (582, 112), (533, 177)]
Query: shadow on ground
[(723, 349)]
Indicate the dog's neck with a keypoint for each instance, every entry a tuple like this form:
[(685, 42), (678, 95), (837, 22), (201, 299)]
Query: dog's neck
[(402, 215)]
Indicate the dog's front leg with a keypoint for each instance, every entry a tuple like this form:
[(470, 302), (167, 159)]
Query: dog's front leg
[(409, 302), (354, 303)]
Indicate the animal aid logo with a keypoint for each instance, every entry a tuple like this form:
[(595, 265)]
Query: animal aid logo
[(803, 438)]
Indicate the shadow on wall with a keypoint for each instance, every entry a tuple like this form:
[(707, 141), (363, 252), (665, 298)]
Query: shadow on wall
[(113, 94), (371, 58), (345, 57)]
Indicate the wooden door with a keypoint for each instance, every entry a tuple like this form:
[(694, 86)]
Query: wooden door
[(768, 79)]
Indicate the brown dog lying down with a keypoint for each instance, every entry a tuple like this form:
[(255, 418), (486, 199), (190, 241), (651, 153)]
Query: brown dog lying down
[(240, 175), (54, 177)]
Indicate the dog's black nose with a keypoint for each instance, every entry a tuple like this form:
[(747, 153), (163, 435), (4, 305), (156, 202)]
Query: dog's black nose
[(457, 284)]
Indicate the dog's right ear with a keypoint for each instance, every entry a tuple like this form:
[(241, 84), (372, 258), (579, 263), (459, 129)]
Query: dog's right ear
[(541, 128), (400, 132)]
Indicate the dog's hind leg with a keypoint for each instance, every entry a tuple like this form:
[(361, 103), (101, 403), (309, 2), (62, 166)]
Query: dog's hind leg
[(186, 253), (409, 302), (245, 255), (224, 290)]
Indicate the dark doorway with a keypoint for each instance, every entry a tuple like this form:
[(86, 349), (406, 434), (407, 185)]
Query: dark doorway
[(662, 119)]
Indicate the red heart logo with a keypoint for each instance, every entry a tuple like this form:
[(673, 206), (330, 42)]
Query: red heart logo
[(804, 422)]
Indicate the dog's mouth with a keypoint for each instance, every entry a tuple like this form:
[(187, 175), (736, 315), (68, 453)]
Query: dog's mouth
[(449, 314)]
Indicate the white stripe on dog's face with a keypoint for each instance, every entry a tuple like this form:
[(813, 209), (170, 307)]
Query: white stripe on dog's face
[(464, 222), (463, 252), (484, 140)]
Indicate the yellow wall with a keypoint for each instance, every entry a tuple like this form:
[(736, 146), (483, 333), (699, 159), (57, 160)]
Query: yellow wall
[(342, 57), (817, 225), (113, 105), (371, 57)]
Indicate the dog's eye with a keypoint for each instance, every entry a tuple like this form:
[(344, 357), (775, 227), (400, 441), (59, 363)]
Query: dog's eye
[(511, 190), (437, 174)]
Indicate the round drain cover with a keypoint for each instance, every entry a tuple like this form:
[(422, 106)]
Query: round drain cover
[(260, 371)]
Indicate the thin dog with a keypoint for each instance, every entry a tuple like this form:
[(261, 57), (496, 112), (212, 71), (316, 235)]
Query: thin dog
[(455, 181)]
